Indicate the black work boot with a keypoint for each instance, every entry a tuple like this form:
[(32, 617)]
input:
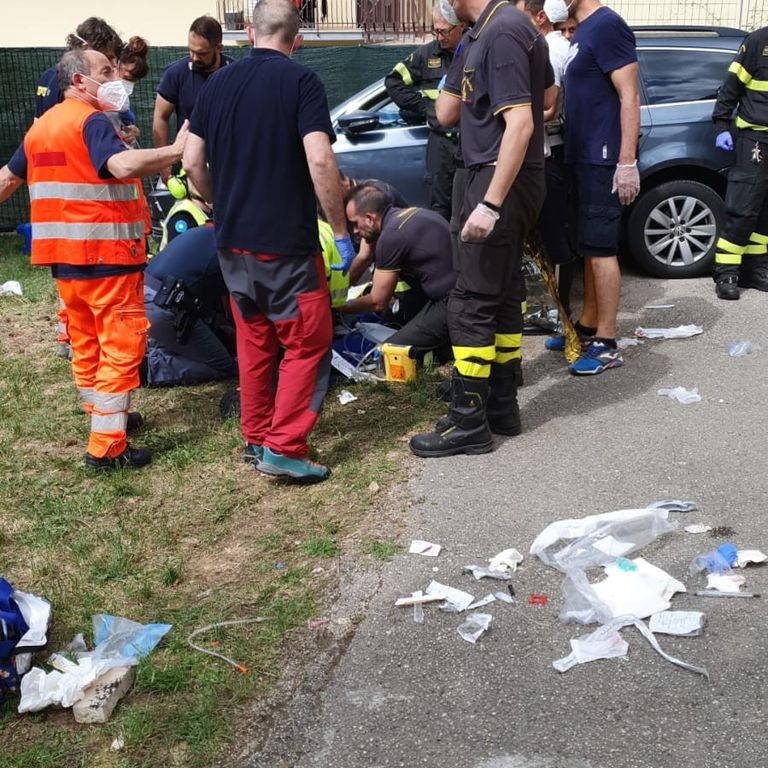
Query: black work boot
[(754, 272), (503, 411), (465, 429), (135, 422), (130, 458), (726, 282), (443, 391)]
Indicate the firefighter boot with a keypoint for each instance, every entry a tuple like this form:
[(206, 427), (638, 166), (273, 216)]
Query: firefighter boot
[(726, 282), (465, 429), (503, 410), (754, 273)]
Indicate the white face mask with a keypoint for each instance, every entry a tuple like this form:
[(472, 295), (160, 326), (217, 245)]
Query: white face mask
[(112, 95), (557, 10), (128, 85)]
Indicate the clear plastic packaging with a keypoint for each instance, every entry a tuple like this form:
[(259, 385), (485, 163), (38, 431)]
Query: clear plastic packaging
[(681, 394), (475, 625), (719, 560), (741, 348)]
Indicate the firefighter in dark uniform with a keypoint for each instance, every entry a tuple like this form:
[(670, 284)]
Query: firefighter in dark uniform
[(496, 88), (411, 244), (413, 86), (741, 257)]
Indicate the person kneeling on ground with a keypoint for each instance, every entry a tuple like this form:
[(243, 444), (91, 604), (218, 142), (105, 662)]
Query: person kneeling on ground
[(412, 245), (191, 335)]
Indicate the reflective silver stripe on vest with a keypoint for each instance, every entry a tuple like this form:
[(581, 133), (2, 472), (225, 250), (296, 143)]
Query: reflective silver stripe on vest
[(59, 230), (59, 190)]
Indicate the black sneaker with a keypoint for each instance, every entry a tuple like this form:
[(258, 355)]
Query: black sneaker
[(130, 458)]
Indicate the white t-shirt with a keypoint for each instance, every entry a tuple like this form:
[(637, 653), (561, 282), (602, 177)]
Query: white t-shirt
[(558, 54)]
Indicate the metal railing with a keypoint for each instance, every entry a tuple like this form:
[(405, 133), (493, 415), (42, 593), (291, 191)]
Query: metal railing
[(373, 18)]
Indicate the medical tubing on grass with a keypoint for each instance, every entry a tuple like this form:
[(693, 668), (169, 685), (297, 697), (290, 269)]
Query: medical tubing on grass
[(233, 622)]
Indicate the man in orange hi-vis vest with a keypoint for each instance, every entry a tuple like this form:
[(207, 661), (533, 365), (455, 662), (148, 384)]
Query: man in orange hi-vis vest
[(88, 217)]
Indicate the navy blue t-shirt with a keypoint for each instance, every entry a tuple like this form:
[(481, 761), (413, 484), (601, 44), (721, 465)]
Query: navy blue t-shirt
[(193, 258), (48, 93), (253, 116), (180, 85), (603, 43)]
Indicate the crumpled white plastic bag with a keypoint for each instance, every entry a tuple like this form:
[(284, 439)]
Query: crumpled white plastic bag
[(10, 288), (681, 394)]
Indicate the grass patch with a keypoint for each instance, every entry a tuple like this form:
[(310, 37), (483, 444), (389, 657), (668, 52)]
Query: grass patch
[(381, 550), (193, 540)]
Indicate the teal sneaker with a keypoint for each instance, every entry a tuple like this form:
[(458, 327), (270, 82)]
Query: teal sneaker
[(301, 470), (252, 453), (596, 357)]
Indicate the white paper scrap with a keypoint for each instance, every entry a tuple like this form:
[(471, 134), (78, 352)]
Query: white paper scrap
[(682, 623), (680, 332), (504, 597), (345, 396), (455, 597), (697, 528), (746, 556), (508, 559), (345, 368), (426, 548), (681, 394), (489, 598), (658, 306), (725, 582), (625, 342)]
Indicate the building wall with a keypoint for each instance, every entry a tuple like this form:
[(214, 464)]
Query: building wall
[(42, 23)]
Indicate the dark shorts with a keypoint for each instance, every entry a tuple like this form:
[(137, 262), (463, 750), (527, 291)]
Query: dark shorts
[(598, 210)]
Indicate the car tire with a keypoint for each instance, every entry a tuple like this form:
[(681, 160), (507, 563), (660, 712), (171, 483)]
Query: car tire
[(673, 229)]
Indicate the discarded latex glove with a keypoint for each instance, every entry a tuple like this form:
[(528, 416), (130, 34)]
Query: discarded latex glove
[(474, 626), (11, 288), (719, 560), (507, 560), (680, 332), (681, 394), (741, 348), (674, 505), (483, 572)]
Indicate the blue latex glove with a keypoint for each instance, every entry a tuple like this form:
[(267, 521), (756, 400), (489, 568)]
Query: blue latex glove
[(347, 253), (724, 141)]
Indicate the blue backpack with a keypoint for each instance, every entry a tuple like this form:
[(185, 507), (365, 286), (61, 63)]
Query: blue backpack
[(12, 629)]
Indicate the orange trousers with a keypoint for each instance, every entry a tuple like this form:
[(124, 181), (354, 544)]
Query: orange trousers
[(107, 327)]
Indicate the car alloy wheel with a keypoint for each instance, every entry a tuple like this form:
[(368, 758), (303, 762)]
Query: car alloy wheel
[(673, 229)]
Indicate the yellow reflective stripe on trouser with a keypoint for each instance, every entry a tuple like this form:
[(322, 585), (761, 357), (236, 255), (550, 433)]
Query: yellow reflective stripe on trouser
[(110, 412), (474, 361), (755, 249), (402, 70), (727, 252), (508, 347), (756, 237), (523, 306), (430, 93)]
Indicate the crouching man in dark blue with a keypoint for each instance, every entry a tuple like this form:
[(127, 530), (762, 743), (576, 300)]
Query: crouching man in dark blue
[(190, 338)]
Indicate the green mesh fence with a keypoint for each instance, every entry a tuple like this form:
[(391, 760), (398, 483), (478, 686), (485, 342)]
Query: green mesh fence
[(343, 70)]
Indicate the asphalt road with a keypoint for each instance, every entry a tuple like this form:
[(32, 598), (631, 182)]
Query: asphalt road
[(397, 693)]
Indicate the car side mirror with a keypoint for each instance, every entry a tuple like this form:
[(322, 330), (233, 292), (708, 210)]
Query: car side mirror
[(359, 122)]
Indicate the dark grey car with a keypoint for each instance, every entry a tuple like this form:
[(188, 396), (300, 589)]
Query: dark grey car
[(672, 227)]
